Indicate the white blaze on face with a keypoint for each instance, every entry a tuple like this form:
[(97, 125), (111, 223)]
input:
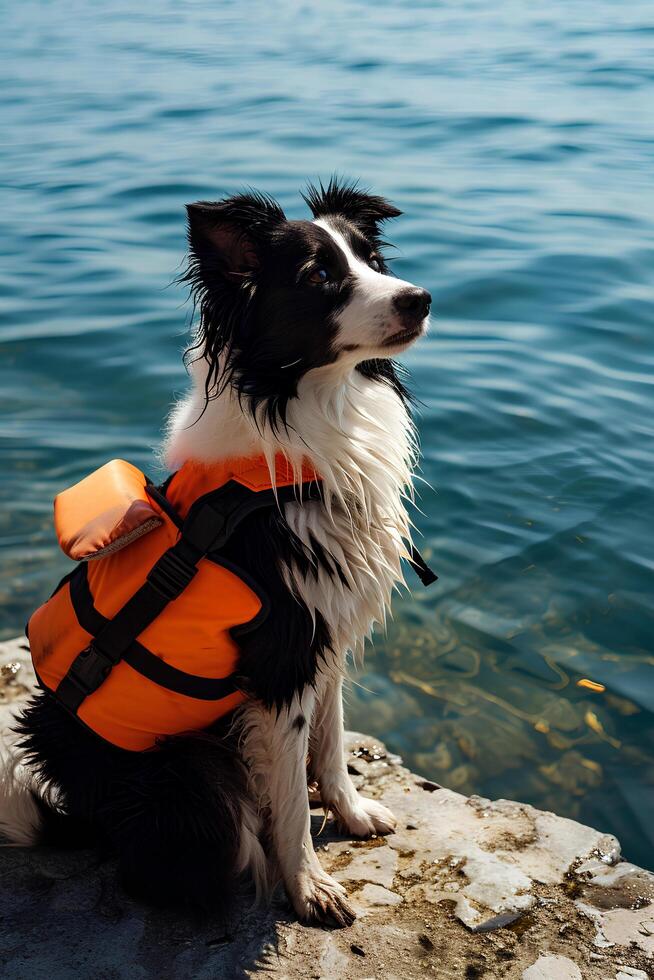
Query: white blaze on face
[(369, 318)]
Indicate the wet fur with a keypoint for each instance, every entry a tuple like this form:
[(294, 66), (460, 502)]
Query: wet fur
[(280, 364)]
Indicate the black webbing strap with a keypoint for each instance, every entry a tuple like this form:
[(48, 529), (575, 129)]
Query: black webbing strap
[(421, 568), (163, 503), (139, 657), (208, 525)]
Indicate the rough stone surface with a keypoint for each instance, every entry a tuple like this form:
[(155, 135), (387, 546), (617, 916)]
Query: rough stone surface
[(466, 888), (553, 968), (376, 895)]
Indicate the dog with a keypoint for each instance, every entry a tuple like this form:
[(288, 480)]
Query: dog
[(299, 322)]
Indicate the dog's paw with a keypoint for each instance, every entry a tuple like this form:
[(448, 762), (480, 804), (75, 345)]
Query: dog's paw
[(320, 900), (366, 818)]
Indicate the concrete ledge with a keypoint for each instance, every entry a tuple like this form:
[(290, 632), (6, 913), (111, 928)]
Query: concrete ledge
[(467, 888)]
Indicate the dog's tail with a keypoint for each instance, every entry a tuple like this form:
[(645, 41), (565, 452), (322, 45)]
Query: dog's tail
[(30, 814), (180, 819), (21, 817)]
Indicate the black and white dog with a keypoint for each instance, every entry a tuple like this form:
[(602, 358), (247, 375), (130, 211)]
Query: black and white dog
[(299, 322)]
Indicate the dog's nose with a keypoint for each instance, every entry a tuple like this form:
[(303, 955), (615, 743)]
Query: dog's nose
[(414, 302)]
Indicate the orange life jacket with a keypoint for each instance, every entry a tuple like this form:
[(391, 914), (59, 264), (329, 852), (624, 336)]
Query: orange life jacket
[(141, 639)]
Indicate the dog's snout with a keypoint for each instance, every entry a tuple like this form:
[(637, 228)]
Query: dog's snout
[(414, 302)]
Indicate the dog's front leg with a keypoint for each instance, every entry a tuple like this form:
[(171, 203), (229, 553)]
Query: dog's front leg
[(357, 814), (274, 745)]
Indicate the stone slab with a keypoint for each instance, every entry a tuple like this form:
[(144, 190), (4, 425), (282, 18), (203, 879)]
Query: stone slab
[(467, 887)]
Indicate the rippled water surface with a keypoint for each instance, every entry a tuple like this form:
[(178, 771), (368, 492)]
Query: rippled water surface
[(517, 138)]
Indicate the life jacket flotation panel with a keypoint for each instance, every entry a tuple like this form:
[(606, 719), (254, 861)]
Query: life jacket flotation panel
[(140, 640)]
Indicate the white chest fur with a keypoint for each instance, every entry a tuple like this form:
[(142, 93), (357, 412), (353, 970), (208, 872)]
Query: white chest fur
[(359, 437)]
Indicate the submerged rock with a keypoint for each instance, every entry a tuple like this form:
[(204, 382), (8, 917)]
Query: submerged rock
[(466, 888)]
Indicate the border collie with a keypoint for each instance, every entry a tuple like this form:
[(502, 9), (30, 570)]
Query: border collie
[(298, 325)]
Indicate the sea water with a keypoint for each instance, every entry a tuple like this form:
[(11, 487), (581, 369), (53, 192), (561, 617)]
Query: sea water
[(517, 139)]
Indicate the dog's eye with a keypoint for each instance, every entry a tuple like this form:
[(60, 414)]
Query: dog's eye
[(319, 275), (374, 263)]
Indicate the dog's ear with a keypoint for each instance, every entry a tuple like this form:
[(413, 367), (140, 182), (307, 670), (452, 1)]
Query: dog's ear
[(366, 211), (226, 237)]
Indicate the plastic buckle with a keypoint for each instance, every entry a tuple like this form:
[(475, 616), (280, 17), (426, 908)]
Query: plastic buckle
[(89, 669), (170, 575)]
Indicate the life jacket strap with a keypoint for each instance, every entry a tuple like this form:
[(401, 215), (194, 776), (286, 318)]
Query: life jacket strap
[(426, 575), (84, 676), (137, 656), (212, 519)]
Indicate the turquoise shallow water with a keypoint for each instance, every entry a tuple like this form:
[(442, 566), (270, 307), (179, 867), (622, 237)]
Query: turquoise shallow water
[(519, 144)]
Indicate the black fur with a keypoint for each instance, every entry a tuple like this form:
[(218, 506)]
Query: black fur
[(171, 815), (281, 657), (386, 371), (249, 276), (365, 211)]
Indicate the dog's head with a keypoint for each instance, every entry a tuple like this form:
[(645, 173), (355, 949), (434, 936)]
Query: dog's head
[(278, 298)]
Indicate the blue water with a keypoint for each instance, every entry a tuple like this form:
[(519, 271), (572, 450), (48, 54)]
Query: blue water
[(518, 140)]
